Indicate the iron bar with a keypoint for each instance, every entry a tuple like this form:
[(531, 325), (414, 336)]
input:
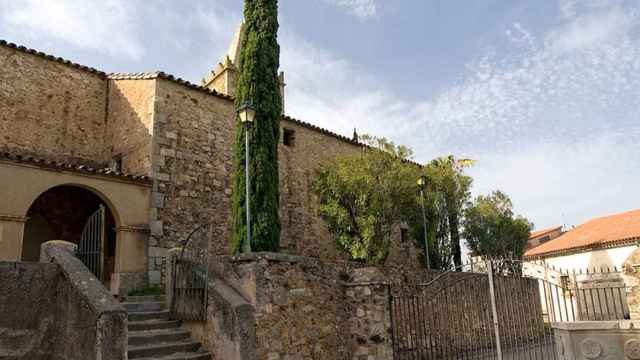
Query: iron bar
[(494, 310)]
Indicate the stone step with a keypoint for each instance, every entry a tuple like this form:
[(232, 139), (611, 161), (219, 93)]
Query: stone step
[(164, 349), (143, 306), (153, 325), (182, 356), (144, 298), (137, 338), (148, 315)]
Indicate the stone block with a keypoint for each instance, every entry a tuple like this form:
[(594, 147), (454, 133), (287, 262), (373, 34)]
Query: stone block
[(156, 228), (157, 200)]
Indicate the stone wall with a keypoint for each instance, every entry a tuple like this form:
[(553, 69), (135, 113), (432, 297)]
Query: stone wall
[(192, 166), (130, 124), (307, 308), (90, 323), (57, 310), (27, 310), (193, 137), (51, 109)]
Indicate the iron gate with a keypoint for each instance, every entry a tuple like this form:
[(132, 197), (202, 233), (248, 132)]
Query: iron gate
[(92, 243), (190, 277), (500, 309)]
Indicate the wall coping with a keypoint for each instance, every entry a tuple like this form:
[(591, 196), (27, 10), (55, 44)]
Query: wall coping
[(273, 257), (598, 325), (87, 285)]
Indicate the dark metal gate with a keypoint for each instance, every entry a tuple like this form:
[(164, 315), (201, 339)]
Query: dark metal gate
[(190, 277), (92, 243), (500, 309)]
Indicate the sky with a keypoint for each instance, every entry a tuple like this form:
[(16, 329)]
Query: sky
[(543, 94)]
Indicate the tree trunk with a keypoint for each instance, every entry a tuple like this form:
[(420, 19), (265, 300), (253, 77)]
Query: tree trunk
[(454, 231)]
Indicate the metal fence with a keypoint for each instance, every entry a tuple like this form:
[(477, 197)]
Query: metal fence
[(190, 277), (189, 300), (498, 310)]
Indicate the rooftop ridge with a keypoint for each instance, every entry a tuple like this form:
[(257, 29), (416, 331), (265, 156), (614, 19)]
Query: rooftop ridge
[(603, 231), (52, 58), (165, 76), (74, 167)]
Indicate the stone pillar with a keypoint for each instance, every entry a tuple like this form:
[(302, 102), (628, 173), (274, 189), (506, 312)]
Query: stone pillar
[(61, 244), (632, 280), (131, 259), (11, 235), (370, 318)]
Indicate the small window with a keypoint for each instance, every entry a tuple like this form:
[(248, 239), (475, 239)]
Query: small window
[(288, 137)]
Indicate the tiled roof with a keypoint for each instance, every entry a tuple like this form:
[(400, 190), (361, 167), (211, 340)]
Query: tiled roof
[(599, 232), (535, 234), (52, 58), (165, 76), (322, 130), (79, 168)]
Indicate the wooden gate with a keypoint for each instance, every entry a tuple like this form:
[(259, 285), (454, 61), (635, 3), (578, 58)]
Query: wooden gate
[(90, 248)]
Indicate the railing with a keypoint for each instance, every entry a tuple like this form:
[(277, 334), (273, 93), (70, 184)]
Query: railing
[(499, 309), (189, 301), (190, 277)]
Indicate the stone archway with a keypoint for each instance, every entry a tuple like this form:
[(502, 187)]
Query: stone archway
[(61, 213), (128, 199)]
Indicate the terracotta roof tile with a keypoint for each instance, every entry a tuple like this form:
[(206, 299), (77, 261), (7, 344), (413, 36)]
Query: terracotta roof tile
[(79, 168), (602, 231), (51, 57), (165, 76)]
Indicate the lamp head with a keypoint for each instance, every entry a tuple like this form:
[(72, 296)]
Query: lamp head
[(422, 181), (247, 113)]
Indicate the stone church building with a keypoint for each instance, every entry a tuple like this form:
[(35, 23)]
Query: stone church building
[(154, 151)]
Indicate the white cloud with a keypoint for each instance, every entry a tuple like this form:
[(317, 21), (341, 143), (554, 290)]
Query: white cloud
[(552, 182), (105, 26), (592, 29), (364, 9), (551, 122)]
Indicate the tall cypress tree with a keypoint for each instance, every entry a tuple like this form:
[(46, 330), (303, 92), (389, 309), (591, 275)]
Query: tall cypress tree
[(258, 84)]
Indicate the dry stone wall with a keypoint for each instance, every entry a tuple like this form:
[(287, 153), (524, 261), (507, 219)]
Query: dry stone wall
[(50, 109)]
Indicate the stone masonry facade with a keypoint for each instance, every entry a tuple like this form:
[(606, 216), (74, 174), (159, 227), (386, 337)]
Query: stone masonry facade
[(178, 133)]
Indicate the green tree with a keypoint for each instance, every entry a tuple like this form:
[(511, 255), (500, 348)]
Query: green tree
[(258, 84), (492, 230), (447, 179), (365, 195)]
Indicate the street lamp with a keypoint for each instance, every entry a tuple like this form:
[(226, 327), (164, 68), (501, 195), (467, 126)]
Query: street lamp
[(247, 115), (422, 182)]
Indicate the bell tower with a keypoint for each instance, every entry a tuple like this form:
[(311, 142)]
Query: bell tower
[(223, 78)]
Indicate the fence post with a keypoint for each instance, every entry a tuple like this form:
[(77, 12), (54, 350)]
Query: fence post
[(494, 310)]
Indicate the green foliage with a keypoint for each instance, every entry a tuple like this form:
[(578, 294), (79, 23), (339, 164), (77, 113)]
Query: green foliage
[(492, 230), (258, 83), (364, 195), (448, 193)]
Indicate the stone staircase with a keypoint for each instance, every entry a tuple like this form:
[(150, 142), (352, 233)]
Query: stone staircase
[(154, 336)]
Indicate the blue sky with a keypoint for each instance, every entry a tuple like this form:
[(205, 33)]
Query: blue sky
[(543, 94)]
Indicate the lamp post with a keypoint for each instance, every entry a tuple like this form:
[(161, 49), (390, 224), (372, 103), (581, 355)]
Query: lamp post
[(422, 182), (247, 115)]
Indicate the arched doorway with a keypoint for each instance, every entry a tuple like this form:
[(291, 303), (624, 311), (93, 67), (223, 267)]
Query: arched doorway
[(61, 213)]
